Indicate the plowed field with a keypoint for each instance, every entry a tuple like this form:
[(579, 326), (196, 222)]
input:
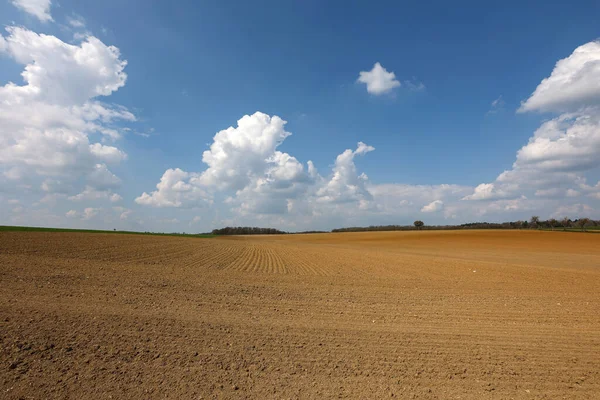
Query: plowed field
[(429, 315)]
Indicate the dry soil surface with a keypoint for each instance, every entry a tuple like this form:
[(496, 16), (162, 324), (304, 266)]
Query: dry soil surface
[(429, 315)]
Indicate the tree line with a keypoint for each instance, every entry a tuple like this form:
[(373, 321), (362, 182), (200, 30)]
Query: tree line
[(246, 230), (533, 223)]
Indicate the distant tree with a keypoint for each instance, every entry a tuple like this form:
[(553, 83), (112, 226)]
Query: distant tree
[(534, 221), (582, 222), (565, 222), (419, 224), (553, 223), (525, 224), (518, 224)]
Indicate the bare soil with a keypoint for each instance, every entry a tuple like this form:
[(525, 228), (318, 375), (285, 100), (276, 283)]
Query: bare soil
[(428, 315)]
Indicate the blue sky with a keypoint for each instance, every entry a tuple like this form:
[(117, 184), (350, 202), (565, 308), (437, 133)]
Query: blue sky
[(196, 68)]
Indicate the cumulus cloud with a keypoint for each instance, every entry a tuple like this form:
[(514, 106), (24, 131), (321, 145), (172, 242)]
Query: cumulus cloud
[(574, 82), (554, 162), (38, 8), (485, 191), (243, 159), (434, 206), (90, 194), (101, 178), (346, 184), (570, 142), (109, 154), (396, 198), (243, 163), (46, 124), (574, 210), (60, 73), (176, 188), (87, 213), (238, 154), (378, 80)]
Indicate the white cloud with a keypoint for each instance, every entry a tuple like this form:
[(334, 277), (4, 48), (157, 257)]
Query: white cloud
[(60, 73), (46, 124), (91, 194), (87, 214), (486, 191), (574, 83), (76, 21), (238, 154), (107, 154), (176, 188), (570, 142), (102, 179), (401, 198), (124, 213), (573, 210), (56, 186), (259, 180), (434, 206), (378, 80), (52, 198), (497, 105), (72, 214), (242, 159), (564, 149), (345, 184), (38, 8)]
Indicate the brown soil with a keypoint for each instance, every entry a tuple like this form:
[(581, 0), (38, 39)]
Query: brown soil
[(430, 315)]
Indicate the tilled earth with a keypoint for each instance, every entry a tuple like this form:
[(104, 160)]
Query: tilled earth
[(429, 315)]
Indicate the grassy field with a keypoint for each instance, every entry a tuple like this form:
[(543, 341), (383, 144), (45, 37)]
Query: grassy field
[(7, 228), (489, 314)]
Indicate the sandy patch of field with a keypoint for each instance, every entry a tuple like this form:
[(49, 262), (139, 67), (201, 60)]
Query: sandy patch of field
[(431, 315)]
